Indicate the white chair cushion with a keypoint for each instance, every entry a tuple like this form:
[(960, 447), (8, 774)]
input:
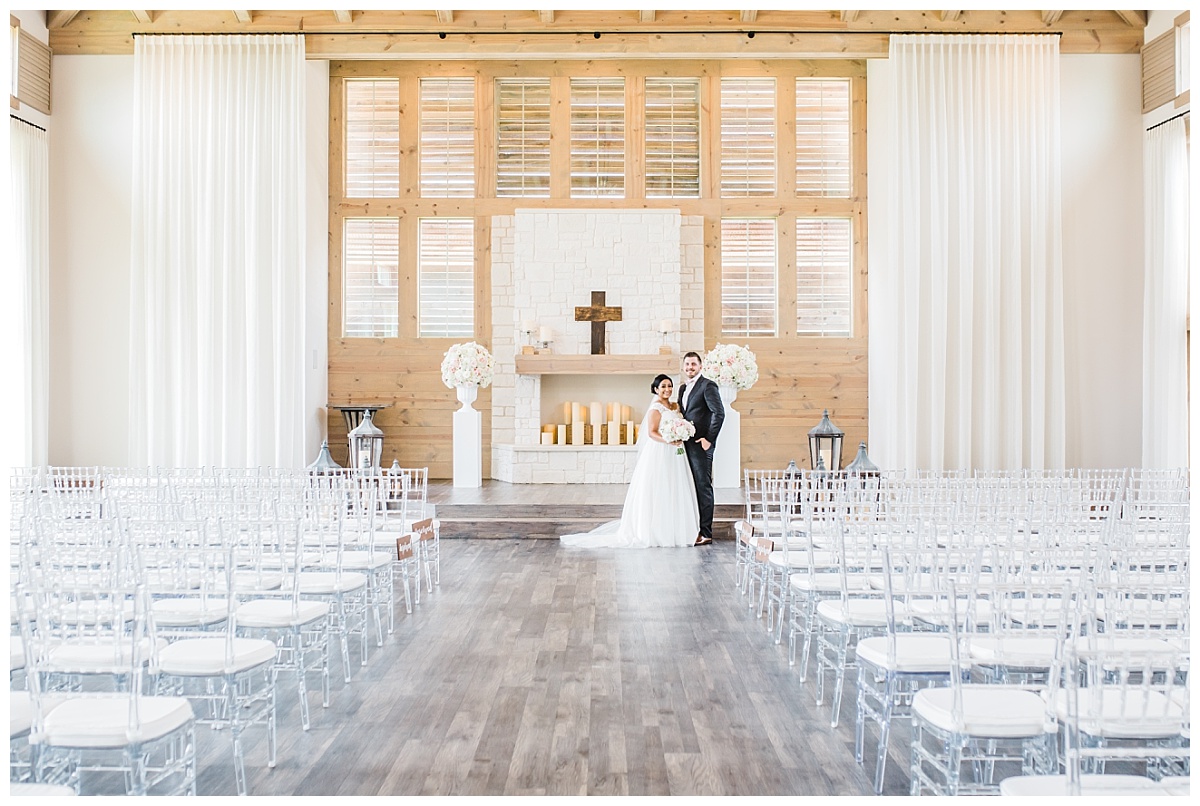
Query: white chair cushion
[(1132, 713), (253, 581), (1056, 785), (824, 583), (204, 657), (326, 582), (16, 654), (26, 789), (105, 658), (276, 613), (914, 653), (937, 611), (1028, 652), (355, 559), (988, 711), (856, 612), (188, 612), (98, 722), (799, 559)]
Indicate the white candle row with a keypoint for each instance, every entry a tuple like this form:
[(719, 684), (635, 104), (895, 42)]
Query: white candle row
[(578, 434), (596, 412)]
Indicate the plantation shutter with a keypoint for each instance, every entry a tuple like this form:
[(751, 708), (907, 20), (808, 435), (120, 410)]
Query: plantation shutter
[(597, 137), (748, 277), (372, 138), (447, 137), (370, 284), (672, 138), (446, 277), (823, 278), (747, 136), (822, 137), (523, 137)]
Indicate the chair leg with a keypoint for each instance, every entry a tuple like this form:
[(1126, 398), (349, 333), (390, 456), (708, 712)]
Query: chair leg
[(885, 729), (839, 682)]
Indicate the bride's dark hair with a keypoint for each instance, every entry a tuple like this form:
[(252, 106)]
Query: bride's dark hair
[(659, 379)]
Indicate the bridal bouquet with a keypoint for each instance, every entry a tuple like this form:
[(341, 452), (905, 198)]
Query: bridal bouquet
[(468, 363), (730, 365), (677, 429)]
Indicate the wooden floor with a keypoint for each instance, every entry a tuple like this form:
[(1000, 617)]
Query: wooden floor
[(535, 669)]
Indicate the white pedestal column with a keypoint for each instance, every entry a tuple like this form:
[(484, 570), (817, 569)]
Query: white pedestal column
[(727, 458), (468, 440)]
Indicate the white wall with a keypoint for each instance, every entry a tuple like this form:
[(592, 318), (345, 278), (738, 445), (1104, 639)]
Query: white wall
[(91, 179), (91, 176), (1103, 258), (1102, 247)]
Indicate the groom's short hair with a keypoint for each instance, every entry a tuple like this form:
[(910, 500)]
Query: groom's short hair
[(692, 354)]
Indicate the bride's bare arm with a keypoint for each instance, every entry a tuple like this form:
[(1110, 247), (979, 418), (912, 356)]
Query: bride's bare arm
[(653, 422)]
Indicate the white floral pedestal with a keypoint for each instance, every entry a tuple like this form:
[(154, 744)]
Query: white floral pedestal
[(468, 439), (727, 458)]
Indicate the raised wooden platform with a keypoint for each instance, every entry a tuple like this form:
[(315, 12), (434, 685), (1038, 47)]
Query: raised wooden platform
[(502, 510)]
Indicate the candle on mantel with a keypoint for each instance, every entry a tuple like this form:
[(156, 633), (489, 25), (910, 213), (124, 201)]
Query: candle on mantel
[(597, 414), (577, 432), (614, 412), (614, 433), (567, 412), (547, 439), (561, 436), (576, 413), (626, 413), (629, 439)]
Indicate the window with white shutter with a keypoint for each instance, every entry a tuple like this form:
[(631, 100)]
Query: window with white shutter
[(523, 137), (748, 277), (447, 137), (823, 137), (672, 138), (747, 136), (597, 137), (370, 278), (823, 276), (446, 277), (372, 138)]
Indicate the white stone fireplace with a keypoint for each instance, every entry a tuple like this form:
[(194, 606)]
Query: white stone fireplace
[(650, 263)]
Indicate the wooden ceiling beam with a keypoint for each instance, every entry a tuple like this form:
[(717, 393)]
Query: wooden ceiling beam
[(1135, 18), (848, 16), (951, 16), (59, 19), (344, 17), (144, 17), (445, 17), (1051, 17), (244, 17), (749, 16)]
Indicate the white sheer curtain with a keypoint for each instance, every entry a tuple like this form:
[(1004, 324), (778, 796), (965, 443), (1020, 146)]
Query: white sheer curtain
[(966, 310), (29, 305), (1164, 337), (218, 269)]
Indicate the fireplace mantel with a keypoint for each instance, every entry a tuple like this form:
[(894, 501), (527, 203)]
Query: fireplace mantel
[(551, 364)]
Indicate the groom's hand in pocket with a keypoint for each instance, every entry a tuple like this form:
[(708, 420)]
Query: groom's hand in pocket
[(704, 443)]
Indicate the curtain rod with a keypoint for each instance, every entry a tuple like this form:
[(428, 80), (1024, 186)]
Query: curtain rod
[(594, 33), (26, 122), (1168, 120)]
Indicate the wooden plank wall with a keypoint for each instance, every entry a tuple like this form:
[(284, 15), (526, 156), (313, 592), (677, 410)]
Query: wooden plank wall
[(799, 376)]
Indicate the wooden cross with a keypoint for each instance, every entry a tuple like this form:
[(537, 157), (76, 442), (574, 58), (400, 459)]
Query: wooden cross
[(597, 314)]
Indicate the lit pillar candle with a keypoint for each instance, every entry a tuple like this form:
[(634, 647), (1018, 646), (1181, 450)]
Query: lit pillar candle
[(626, 413), (577, 432), (614, 412), (561, 435), (567, 409), (597, 413), (629, 438), (547, 439), (576, 413), (614, 433)]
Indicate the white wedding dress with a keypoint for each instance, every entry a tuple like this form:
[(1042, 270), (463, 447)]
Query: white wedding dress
[(660, 506)]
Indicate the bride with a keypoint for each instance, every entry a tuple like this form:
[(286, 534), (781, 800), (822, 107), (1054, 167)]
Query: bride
[(660, 507)]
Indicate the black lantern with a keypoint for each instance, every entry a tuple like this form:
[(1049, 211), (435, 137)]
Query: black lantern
[(862, 464), (825, 445), (366, 444), (324, 463)]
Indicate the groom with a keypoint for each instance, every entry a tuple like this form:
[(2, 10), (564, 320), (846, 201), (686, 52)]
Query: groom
[(700, 403)]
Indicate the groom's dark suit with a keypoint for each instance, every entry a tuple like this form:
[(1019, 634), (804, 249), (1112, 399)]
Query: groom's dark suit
[(705, 411)]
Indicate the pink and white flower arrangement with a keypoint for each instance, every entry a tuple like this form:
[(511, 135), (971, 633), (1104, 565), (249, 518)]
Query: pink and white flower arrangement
[(676, 429), (731, 365), (467, 364)]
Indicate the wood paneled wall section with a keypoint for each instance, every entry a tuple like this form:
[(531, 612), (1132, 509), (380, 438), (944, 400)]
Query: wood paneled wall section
[(799, 376)]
